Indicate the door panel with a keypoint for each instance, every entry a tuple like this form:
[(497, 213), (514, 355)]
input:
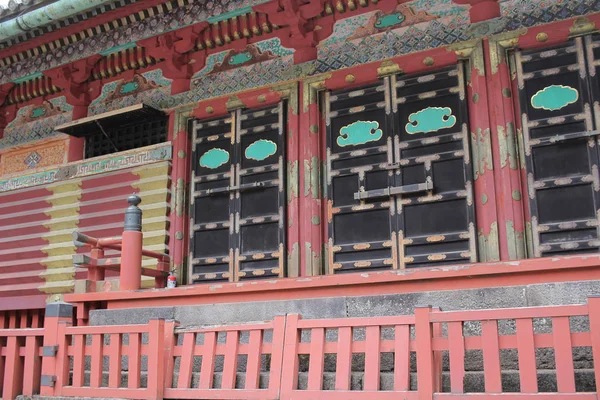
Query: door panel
[(211, 227), (261, 213), (560, 147), (238, 201), (436, 212), (359, 156), (399, 174)]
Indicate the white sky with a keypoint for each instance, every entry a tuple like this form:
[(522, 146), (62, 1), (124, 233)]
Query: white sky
[(4, 2)]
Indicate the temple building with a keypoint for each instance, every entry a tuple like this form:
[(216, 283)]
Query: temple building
[(174, 169)]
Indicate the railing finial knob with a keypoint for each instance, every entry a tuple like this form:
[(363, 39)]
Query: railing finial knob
[(134, 200), (133, 214)]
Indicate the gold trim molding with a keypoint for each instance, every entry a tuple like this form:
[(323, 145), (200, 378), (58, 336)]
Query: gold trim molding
[(500, 44)]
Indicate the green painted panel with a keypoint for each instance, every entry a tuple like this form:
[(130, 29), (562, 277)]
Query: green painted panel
[(359, 132), (430, 119), (240, 58), (38, 112), (129, 87), (389, 20), (214, 158), (261, 150), (555, 97)]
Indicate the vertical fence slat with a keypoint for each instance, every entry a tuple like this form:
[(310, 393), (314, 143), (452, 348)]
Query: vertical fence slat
[(372, 358), (289, 374), (2, 361), (13, 374), (277, 354), (436, 330), (402, 358), (594, 315), (456, 352), (187, 360), (343, 369), (253, 360), (78, 360), (133, 361), (32, 366), (425, 379), (96, 359), (208, 360), (491, 356), (230, 360), (526, 354), (317, 359), (114, 360), (563, 355)]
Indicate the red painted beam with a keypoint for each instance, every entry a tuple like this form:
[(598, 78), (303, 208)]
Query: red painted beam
[(459, 277)]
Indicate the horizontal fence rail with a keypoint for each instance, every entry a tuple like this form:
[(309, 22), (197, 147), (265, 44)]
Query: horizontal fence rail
[(420, 356)]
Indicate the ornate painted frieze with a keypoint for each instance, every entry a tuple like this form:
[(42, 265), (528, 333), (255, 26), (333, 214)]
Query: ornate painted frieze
[(150, 88), (99, 165), (35, 122)]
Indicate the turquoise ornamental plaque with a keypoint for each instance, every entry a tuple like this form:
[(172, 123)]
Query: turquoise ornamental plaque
[(129, 87), (260, 150), (240, 58), (430, 119), (389, 20), (214, 158), (555, 97), (359, 132), (38, 112)]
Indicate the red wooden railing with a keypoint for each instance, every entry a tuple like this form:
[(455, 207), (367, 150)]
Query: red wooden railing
[(287, 358), (20, 361), (248, 340)]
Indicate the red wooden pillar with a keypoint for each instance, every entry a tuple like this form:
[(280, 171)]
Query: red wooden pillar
[(56, 313), (76, 149), (310, 202), (180, 175), (483, 168), (295, 129), (511, 220)]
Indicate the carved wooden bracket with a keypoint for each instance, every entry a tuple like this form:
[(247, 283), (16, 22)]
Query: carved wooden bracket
[(296, 17), (73, 79), (4, 91), (176, 49), (482, 10)]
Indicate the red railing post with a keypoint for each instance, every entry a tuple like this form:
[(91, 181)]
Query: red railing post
[(56, 313), (289, 371), (423, 332), (131, 253), (156, 359), (594, 315)]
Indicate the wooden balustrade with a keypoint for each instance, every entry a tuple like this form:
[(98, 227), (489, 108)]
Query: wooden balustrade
[(292, 358)]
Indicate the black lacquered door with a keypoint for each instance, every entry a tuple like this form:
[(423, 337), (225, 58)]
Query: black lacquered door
[(399, 174), (238, 199), (560, 147)]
